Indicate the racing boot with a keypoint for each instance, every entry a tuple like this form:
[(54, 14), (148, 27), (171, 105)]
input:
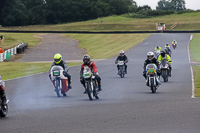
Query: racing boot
[(99, 88), (170, 73), (85, 92), (69, 86), (4, 99)]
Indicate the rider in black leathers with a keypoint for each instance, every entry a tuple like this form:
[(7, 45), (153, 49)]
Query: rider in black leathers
[(122, 57), (151, 59)]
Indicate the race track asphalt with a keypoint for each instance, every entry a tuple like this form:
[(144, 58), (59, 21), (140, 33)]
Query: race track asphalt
[(125, 106)]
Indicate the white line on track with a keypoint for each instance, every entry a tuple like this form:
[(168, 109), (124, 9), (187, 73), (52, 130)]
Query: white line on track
[(191, 69), (25, 76)]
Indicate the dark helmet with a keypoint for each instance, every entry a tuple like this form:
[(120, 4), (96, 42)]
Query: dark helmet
[(86, 59), (162, 53)]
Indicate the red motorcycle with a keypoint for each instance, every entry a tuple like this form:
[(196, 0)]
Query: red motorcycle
[(59, 81), (174, 45)]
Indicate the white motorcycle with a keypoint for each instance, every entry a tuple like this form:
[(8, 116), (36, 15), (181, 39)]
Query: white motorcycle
[(59, 81), (151, 77), (121, 71), (164, 66), (90, 83)]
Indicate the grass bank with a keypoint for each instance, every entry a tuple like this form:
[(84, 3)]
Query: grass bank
[(13, 39), (195, 55), (102, 46), (196, 70), (10, 70), (185, 21)]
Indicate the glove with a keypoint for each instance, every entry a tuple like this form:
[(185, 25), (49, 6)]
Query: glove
[(126, 61), (81, 78), (115, 62), (64, 72), (158, 71), (50, 77), (95, 73)]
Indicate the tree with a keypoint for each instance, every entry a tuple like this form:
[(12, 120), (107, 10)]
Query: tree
[(171, 5), (178, 4), (164, 5), (144, 8)]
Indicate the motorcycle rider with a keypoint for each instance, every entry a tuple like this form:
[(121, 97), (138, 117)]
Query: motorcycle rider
[(162, 56), (93, 67), (122, 57), (59, 62), (151, 59), (158, 48), (174, 42), (168, 50), (2, 91)]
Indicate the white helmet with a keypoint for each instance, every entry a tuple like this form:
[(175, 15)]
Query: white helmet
[(150, 55), (122, 52)]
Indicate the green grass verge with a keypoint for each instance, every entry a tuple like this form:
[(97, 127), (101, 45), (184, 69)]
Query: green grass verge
[(13, 39), (196, 70), (195, 48), (102, 46), (186, 21), (10, 70), (195, 55)]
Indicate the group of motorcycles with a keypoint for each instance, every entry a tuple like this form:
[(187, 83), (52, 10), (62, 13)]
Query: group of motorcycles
[(60, 82), (153, 80)]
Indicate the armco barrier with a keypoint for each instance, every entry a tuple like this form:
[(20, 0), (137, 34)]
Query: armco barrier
[(16, 50)]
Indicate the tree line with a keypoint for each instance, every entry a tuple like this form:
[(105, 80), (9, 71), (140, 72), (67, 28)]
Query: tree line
[(32, 12)]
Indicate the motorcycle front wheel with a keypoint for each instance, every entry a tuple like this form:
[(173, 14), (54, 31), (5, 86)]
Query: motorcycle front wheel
[(153, 87), (3, 110), (57, 88), (89, 91), (165, 75)]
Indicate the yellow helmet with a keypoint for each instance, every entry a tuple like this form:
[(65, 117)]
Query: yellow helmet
[(57, 58)]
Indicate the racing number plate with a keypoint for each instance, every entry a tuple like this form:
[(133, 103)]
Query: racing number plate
[(56, 73)]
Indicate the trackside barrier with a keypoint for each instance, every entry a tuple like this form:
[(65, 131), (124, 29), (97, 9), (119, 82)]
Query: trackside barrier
[(20, 48)]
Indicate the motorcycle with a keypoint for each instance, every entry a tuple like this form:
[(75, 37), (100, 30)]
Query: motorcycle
[(90, 83), (121, 71), (174, 45), (164, 66), (3, 108), (157, 54), (59, 81), (151, 77)]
